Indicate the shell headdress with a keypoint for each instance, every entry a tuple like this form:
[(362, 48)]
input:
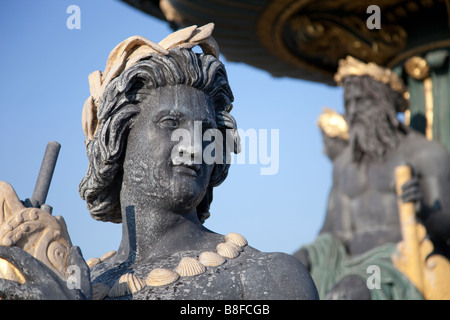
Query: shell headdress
[(131, 51)]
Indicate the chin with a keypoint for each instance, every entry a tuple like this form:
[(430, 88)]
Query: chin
[(187, 196)]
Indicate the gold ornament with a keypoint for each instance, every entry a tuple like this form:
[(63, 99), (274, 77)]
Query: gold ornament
[(415, 256), (417, 68), (333, 124), (354, 67)]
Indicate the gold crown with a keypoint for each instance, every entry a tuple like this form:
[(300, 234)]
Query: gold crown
[(354, 67), (333, 124), (131, 51)]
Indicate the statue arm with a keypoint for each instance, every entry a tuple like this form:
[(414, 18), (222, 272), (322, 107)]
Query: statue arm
[(435, 207), (432, 177), (331, 212)]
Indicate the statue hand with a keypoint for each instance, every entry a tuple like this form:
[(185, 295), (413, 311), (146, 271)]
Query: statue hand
[(41, 282), (412, 192)]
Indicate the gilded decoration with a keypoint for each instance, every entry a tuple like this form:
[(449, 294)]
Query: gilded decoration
[(333, 124), (417, 68), (314, 35), (305, 39), (430, 272), (320, 33), (354, 67)]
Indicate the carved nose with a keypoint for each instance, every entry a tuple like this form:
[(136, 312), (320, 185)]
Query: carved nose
[(188, 151), (188, 155), (351, 112)]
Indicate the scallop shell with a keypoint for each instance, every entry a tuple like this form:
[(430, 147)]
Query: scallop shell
[(160, 277), (234, 245), (99, 291), (236, 238), (108, 255), (93, 262), (127, 283), (227, 250), (211, 259), (134, 283), (119, 289), (189, 267)]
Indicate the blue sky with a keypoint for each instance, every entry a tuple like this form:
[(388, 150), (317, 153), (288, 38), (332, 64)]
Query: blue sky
[(44, 83)]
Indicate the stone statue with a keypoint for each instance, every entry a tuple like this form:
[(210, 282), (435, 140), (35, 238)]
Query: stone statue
[(362, 227), (141, 174)]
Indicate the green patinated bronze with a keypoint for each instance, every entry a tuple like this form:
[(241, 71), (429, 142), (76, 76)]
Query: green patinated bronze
[(331, 263)]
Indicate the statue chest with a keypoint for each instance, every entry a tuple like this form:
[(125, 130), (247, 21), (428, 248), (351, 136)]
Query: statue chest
[(163, 280), (357, 179), (215, 284)]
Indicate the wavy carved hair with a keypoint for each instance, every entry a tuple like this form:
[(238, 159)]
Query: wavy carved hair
[(118, 106)]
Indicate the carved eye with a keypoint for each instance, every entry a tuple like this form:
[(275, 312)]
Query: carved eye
[(168, 122)]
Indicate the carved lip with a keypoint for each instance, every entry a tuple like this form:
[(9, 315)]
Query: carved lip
[(190, 170)]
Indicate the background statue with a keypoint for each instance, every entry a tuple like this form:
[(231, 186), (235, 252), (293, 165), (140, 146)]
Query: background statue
[(362, 227), (141, 176)]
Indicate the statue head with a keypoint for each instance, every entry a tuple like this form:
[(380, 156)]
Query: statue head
[(140, 77), (373, 96)]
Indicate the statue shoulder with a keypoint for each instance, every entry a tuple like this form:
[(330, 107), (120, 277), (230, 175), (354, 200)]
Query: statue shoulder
[(277, 276), (424, 154)]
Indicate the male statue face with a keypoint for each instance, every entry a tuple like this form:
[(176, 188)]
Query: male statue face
[(149, 166), (371, 129), (357, 103)]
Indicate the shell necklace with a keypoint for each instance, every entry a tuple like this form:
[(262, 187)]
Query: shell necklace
[(187, 267)]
